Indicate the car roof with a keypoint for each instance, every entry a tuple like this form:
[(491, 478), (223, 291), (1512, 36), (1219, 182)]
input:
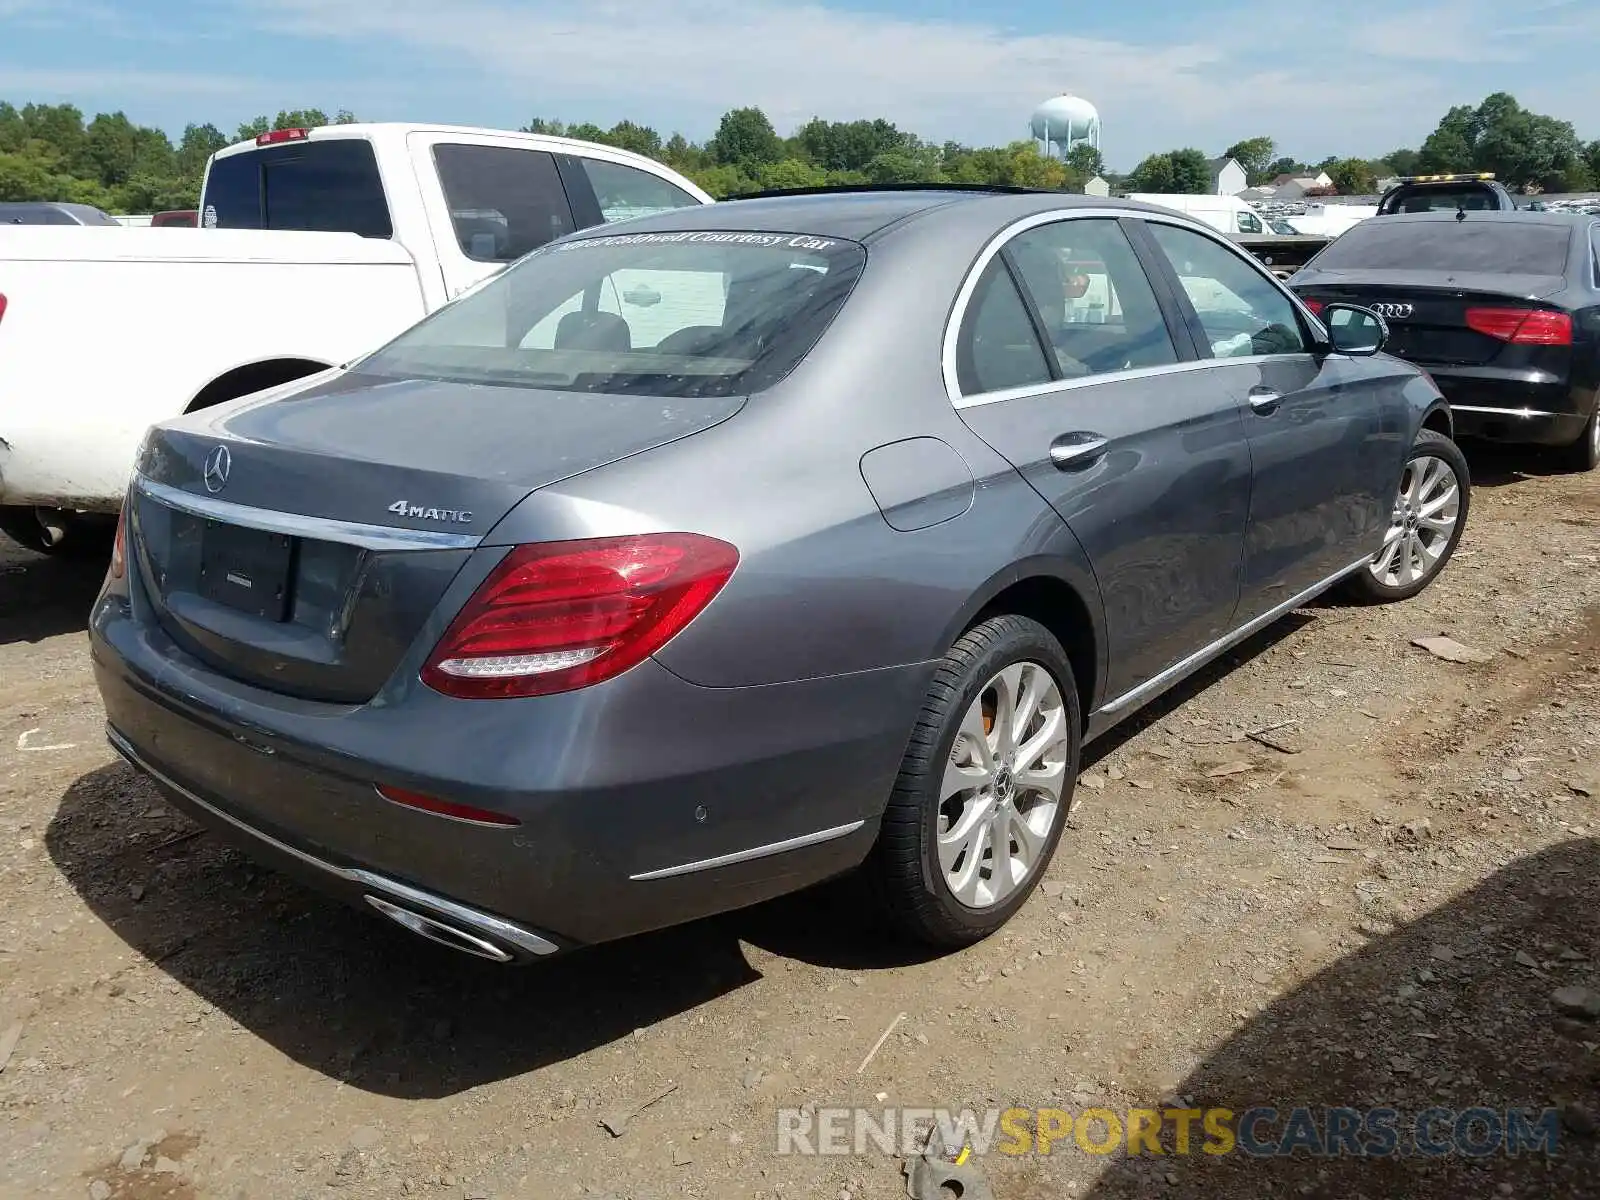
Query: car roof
[(863, 214)]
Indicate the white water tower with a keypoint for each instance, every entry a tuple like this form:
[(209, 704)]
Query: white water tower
[(1063, 122)]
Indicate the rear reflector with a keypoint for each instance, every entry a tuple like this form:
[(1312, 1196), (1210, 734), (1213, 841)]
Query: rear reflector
[(2, 306), (119, 544), (445, 808), (1522, 326), (275, 136), (556, 616)]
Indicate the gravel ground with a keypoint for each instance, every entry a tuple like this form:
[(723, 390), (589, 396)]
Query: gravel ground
[(1377, 909)]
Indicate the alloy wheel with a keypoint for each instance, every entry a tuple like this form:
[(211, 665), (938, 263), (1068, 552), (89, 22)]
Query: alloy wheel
[(1421, 524), (1003, 784)]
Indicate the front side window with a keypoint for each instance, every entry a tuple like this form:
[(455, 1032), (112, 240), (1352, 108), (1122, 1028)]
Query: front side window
[(625, 192), (1096, 304), (687, 313), (504, 202), (1249, 223), (1241, 312)]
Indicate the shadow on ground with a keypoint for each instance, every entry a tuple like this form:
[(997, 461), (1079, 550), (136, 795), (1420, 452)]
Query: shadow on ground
[(1453, 1011), (42, 597), (1495, 464)]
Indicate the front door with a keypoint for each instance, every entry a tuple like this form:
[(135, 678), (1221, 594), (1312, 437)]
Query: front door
[(1068, 366), (1323, 461)]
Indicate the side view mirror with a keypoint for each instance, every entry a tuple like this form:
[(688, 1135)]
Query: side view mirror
[(1354, 330)]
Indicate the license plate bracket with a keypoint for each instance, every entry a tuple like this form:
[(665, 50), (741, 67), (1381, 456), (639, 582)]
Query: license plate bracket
[(246, 569)]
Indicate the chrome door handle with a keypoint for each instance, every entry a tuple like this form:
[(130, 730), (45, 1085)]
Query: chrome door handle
[(1264, 400), (1072, 450)]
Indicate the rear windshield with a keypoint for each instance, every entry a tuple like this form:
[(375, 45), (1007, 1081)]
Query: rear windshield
[(1493, 246), (694, 313), (328, 186), (1473, 197)]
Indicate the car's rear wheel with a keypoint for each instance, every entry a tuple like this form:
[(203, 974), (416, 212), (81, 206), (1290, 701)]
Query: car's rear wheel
[(1584, 454), (1425, 526), (983, 792)]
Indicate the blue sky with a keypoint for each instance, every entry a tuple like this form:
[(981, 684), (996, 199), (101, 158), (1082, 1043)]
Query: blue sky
[(1325, 77)]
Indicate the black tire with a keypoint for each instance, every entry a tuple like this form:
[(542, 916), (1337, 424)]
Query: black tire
[(1366, 588), (903, 868), (1584, 454), (86, 535)]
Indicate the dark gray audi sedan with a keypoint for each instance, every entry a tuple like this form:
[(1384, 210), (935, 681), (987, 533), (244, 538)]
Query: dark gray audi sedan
[(694, 560)]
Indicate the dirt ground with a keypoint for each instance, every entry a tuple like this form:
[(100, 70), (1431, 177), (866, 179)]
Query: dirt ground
[(1378, 912)]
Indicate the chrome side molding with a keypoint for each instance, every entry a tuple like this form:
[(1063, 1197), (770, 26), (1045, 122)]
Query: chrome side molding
[(755, 852)]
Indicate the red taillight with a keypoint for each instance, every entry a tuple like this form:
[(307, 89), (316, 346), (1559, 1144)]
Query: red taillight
[(1314, 305), (556, 616), (275, 136), (1522, 326), (444, 808), (119, 545), (2, 305)]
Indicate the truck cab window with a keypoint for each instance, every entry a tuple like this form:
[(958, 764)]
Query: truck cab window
[(504, 202)]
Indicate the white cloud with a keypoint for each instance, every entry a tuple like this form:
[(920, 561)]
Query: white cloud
[(42, 82)]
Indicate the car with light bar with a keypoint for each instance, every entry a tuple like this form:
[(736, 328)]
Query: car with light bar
[(319, 245), (1501, 309), (694, 561), (1471, 192)]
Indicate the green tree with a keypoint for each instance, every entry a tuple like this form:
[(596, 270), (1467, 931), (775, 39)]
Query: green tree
[(1353, 176), (541, 125), (1085, 161), (1153, 174), (1191, 172), (1403, 162), (745, 138), (1284, 166), (789, 173), (1449, 148), (1254, 155), (641, 139)]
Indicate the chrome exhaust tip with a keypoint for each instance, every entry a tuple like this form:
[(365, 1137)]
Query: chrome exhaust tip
[(445, 934)]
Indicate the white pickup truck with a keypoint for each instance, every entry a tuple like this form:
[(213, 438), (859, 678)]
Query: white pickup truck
[(315, 246)]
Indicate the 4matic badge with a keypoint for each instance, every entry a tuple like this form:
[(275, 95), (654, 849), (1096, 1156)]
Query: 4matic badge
[(404, 508)]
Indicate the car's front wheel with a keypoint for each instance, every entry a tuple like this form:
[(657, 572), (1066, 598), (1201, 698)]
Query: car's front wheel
[(1425, 525), (985, 786)]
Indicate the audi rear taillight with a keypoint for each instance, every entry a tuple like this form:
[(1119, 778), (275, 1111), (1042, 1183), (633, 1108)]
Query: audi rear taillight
[(1315, 306), (2, 306), (1522, 326), (555, 616)]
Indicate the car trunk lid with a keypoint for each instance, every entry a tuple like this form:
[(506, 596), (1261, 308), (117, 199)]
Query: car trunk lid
[(1427, 314), (300, 540)]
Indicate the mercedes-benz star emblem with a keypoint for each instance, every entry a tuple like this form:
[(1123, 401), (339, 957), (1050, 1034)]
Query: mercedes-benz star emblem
[(218, 463)]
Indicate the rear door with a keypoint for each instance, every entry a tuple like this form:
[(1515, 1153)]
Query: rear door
[(488, 203), (1322, 437), (1073, 365)]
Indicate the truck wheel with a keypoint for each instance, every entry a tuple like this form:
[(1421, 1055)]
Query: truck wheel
[(1584, 454), (1429, 517), (56, 532)]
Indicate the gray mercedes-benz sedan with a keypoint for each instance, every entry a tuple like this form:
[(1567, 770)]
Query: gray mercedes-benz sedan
[(695, 560)]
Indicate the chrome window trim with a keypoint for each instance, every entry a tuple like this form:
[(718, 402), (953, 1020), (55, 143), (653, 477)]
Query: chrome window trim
[(969, 285), (322, 529), (1526, 413)]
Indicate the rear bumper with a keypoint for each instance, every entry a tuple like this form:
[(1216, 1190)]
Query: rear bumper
[(1513, 406), (644, 802), (58, 463)]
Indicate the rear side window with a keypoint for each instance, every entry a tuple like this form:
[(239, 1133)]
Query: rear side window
[(1491, 245), (686, 313), (1445, 199), (625, 192), (998, 347), (330, 186), (504, 202)]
